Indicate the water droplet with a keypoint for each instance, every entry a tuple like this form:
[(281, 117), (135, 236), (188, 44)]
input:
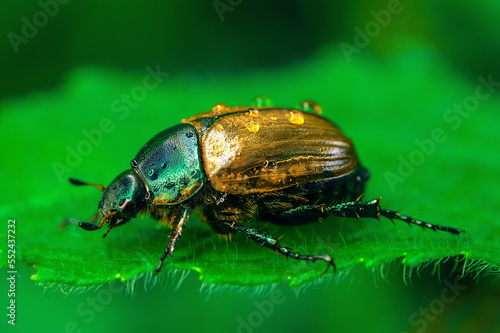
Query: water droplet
[(163, 165), (262, 101), (218, 127), (133, 164), (269, 166), (253, 113), (311, 106), (295, 117), (219, 108), (253, 126), (153, 174)]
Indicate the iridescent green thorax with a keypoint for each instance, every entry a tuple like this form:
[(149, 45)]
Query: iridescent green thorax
[(169, 165)]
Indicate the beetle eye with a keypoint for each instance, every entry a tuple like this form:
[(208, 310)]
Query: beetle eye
[(125, 205)]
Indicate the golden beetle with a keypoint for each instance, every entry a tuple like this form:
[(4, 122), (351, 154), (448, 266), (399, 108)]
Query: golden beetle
[(240, 164)]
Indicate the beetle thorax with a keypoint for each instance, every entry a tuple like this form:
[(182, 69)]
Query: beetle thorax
[(169, 166)]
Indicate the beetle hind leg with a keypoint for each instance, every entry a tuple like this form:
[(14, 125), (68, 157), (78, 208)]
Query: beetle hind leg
[(391, 214), (369, 209), (272, 243), (372, 209)]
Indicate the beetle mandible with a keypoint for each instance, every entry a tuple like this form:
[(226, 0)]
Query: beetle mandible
[(240, 164)]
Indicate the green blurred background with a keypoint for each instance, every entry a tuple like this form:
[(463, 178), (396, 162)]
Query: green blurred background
[(81, 56)]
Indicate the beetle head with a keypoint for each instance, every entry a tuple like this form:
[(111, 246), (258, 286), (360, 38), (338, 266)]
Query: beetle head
[(120, 202)]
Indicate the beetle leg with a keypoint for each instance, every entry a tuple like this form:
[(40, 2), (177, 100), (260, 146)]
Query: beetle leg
[(370, 209), (273, 244), (179, 223), (391, 214)]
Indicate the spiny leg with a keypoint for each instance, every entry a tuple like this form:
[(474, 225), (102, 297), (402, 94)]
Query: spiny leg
[(272, 243), (390, 214), (370, 209), (178, 225)]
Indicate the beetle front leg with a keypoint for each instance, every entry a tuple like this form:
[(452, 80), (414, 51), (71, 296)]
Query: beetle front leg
[(269, 242), (178, 226)]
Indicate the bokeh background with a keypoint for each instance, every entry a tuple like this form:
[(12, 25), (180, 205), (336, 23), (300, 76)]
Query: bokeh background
[(386, 71)]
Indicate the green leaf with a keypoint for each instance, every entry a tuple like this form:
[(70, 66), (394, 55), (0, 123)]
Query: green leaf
[(391, 116)]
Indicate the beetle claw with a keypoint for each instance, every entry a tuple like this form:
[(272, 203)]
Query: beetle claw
[(330, 262), (106, 233)]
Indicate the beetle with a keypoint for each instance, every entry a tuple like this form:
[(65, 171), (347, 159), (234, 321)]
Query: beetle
[(240, 164)]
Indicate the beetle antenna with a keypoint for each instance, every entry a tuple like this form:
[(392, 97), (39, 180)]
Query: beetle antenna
[(88, 226), (77, 182), (67, 221)]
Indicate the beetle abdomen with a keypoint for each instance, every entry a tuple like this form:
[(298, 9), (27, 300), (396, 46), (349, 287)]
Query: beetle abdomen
[(263, 150)]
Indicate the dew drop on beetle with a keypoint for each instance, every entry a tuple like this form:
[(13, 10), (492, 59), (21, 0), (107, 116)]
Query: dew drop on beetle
[(295, 117), (311, 106), (270, 166), (253, 126), (262, 101), (218, 109), (153, 174), (253, 113)]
